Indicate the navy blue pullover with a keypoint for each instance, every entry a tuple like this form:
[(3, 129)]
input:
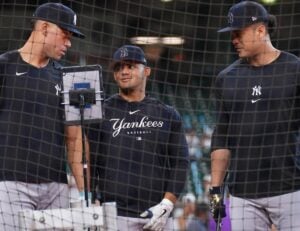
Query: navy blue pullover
[(258, 120), (139, 152), (31, 122)]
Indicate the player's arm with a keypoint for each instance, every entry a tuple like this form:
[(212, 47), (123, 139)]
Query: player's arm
[(220, 156), (178, 157), (177, 153), (220, 153), (220, 159), (74, 148)]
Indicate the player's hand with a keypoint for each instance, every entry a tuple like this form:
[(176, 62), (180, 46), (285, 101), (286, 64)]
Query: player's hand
[(217, 207), (158, 215)]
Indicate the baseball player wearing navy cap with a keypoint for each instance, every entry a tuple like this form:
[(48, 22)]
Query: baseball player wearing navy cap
[(32, 132), (256, 138), (129, 53), (59, 14), (244, 14), (139, 151)]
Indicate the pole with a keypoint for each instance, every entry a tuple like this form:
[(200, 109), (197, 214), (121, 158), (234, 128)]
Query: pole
[(84, 161)]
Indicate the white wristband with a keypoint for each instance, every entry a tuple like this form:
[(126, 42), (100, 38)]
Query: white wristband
[(167, 202)]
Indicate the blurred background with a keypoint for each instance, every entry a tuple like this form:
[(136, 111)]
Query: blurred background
[(182, 46)]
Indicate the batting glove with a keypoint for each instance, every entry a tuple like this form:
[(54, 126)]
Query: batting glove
[(217, 207), (158, 215)]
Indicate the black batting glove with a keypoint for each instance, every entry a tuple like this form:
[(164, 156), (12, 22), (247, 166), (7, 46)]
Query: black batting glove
[(217, 207)]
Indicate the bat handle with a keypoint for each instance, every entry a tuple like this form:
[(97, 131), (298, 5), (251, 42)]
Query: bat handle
[(219, 223)]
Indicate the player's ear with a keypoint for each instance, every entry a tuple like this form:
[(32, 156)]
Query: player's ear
[(41, 27), (115, 75), (44, 28), (147, 71), (262, 30)]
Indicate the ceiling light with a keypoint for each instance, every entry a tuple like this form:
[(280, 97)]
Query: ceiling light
[(144, 40), (148, 40), (269, 2), (172, 40)]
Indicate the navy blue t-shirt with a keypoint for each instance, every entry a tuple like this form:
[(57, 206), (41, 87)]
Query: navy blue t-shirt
[(31, 122), (139, 152), (258, 119)]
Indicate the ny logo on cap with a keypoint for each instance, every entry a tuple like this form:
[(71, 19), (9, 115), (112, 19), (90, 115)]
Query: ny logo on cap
[(230, 18), (123, 52), (253, 18), (75, 19)]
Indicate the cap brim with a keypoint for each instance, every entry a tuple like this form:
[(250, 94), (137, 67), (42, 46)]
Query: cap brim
[(227, 29), (128, 60), (76, 33), (114, 62)]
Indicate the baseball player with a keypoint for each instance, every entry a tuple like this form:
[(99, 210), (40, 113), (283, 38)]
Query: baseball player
[(256, 135), (139, 152), (32, 150)]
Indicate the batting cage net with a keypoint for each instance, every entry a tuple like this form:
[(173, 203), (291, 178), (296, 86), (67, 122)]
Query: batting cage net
[(135, 151)]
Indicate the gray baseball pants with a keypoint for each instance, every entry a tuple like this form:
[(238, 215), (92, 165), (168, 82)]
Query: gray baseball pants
[(16, 196), (258, 214)]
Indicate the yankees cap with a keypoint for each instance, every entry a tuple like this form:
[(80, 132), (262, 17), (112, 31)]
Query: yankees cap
[(129, 53), (244, 14), (59, 14)]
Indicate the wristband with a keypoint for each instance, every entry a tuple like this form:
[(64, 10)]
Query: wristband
[(167, 202), (216, 190), (82, 195)]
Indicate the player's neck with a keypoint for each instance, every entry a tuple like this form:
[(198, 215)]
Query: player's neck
[(132, 96), (268, 55), (32, 54)]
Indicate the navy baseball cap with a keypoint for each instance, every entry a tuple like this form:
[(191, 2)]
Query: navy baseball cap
[(129, 53), (244, 14), (59, 14)]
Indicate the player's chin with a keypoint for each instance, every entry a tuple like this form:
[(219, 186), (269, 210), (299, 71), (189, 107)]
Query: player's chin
[(58, 57), (242, 55), (125, 89)]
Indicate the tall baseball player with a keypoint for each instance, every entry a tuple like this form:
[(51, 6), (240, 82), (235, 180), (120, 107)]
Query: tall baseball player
[(32, 151), (139, 152), (256, 137)]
